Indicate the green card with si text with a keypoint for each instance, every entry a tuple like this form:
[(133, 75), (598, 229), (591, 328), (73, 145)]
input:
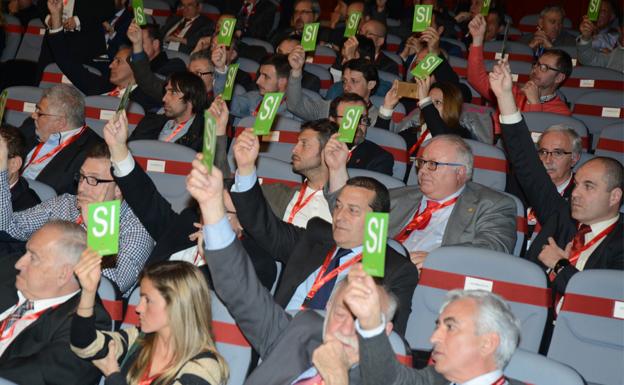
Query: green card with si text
[(426, 66), (139, 12), (266, 113), (4, 96), (210, 139), (308, 36), (485, 7), (375, 237), (353, 20), (422, 17), (593, 10), (230, 79), (349, 123), (103, 227), (226, 31)]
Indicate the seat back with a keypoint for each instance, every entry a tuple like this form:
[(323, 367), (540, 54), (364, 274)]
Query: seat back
[(392, 42), (52, 75), (21, 103), (249, 66), (258, 42), (588, 78), (172, 54), (520, 282), (611, 142), (388, 181), (399, 110), (167, 165), (538, 122), (160, 10), (30, 47), (514, 51), (536, 369), (400, 348), (322, 73), (13, 30), (271, 170), (521, 224), (131, 318), (599, 109), (395, 145), (111, 301), (230, 341), (589, 334), (210, 11), (99, 109), (43, 191), (324, 56)]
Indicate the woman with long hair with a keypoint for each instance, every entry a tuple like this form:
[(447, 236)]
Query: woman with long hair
[(174, 344)]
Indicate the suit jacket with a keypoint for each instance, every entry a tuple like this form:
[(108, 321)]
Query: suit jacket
[(150, 126), (22, 196), (121, 29), (284, 344), (145, 75), (379, 366), (260, 23), (481, 217), (59, 173), (40, 354), (370, 156), (302, 251), (201, 26), (553, 211), (384, 63)]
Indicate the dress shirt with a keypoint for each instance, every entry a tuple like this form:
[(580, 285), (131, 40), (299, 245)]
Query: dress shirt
[(171, 125), (135, 243), (21, 324), (484, 379), (218, 235), (33, 170), (189, 255), (430, 238), (596, 229), (316, 207), (111, 36)]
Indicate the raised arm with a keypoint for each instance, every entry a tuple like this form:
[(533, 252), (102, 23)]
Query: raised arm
[(477, 75)]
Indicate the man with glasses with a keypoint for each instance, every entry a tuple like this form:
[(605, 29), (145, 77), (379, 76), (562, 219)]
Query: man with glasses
[(95, 184), (446, 208), (57, 138), (304, 12), (181, 32), (539, 94), (377, 31), (363, 153)]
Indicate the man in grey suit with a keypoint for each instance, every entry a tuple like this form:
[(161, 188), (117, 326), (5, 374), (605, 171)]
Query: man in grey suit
[(292, 349), (446, 208), (475, 336)]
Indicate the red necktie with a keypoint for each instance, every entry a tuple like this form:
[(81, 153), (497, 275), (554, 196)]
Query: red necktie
[(316, 380), (419, 221), (180, 27), (579, 241)]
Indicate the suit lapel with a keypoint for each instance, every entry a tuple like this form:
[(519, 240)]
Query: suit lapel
[(606, 248), (461, 216)]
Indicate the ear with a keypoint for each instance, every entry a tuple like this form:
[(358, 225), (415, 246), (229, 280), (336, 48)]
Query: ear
[(389, 327), (65, 274), (560, 78), (118, 194), (615, 196), (282, 83), (489, 344), (371, 84), (15, 164), (575, 159)]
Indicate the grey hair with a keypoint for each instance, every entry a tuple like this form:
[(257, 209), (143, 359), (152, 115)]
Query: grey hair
[(464, 152), (72, 242), (391, 301), (577, 145), (494, 316), (552, 8), (67, 101), (204, 54)]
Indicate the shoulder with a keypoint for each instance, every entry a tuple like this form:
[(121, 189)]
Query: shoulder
[(484, 193), (201, 369)]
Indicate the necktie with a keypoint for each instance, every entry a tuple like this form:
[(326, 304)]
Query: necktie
[(578, 242), (316, 380), (180, 27), (420, 221), (18, 313), (319, 301)]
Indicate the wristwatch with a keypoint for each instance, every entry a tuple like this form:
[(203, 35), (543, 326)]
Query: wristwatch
[(562, 263)]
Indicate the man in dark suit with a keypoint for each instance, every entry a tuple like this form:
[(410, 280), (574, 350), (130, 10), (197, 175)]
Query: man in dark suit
[(584, 233), (183, 122), (290, 348), (22, 196), (304, 12), (36, 304), (303, 251), (181, 33), (115, 28), (377, 31), (254, 18), (57, 138)]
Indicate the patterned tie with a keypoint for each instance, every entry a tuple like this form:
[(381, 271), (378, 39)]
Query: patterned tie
[(319, 301), (578, 242), (419, 222), (316, 380), (19, 313)]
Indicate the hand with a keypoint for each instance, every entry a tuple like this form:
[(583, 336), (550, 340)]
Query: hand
[(4, 154), (89, 270), (116, 136), (350, 49), (56, 13), (552, 253), (220, 110), (219, 58), (501, 82), (542, 39), (246, 149), (418, 258), (381, 5), (463, 16), (296, 59), (362, 297), (70, 24), (392, 97), (477, 29), (412, 46), (207, 189), (432, 37), (108, 365), (202, 44), (332, 363), (531, 91), (107, 27), (423, 86), (336, 154), (13, 7), (135, 35), (587, 29)]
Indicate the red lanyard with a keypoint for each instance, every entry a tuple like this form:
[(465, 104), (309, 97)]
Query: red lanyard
[(79, 220), (574, 258), (500, 381), (175, 132), (299, 205), (55, 150), (323, 279), (404, 234), (33, 316), (420, 141), (145, 378)]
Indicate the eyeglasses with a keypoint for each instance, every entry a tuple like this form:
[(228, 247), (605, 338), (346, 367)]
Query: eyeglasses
[(364, 120), (302, 11), (91, 180), (557, 154), (432, 165), (200, 74), (38, 112), (545, 67)]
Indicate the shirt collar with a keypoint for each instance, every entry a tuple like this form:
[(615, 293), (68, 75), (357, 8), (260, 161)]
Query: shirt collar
[(485, 379), (59, 137), (602, 225), (453, 195), (42, 304), (564, 185)]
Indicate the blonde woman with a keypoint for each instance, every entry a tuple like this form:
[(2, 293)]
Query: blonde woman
[(174, 344)]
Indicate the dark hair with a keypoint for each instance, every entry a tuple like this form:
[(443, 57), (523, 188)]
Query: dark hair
[(453, 102), (348, 97), (381, 202), (614, 172), (192, 87), (16, 145), (366, 67), (153, 31), (366, 47), (98, 151), (280, 62), (564, 61), (324, 129)]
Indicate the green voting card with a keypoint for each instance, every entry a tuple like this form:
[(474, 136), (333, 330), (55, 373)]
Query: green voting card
[(352, 24), (594, 10), (139, 12), (103, 227), (210, 139), (229, 82), (308, 37), (349, 123), (266, 113), (4, 96), (226, 31), (422, 17), (426, 66), (125, 99), (375, 237), (485, 7)]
